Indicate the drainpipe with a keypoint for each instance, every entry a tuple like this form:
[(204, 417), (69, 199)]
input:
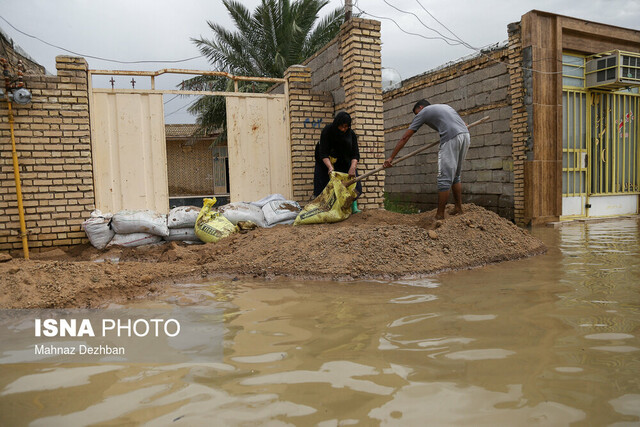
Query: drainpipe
[(16, 169)]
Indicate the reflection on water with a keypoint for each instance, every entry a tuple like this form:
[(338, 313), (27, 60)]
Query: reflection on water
[(549, 340)]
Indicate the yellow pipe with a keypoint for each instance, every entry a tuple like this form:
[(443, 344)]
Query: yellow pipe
[(16, 174)]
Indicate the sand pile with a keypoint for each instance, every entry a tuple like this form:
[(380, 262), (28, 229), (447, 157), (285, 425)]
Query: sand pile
[(374, 244)]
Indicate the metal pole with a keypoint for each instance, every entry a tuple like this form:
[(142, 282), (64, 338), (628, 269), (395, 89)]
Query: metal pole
[(347, 10), (16, 174)]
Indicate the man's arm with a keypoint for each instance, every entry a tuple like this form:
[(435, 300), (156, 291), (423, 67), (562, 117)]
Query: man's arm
[(408, 133)]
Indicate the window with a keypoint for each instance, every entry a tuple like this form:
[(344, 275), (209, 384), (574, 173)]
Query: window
[(573, 70)]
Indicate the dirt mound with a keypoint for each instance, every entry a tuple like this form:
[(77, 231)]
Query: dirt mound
[(375, 244)]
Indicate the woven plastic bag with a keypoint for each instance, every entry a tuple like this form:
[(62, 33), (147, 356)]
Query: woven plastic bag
[(332, 205), (211, 226)]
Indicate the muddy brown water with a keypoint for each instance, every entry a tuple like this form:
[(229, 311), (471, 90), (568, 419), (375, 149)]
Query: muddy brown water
[(548, 340)]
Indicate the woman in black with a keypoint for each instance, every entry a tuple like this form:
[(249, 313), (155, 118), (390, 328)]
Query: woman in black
[(337, 150)]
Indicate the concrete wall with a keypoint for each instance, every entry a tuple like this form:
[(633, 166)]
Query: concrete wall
[(325, 67), (475, 87), (52, 137)]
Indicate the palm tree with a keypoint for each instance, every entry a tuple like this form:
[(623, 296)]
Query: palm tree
[(278, 34)]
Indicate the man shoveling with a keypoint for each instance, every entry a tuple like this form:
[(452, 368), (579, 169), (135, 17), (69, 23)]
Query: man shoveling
[(454, 143)]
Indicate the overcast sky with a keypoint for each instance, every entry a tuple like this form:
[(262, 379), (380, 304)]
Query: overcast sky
[(161, 30)]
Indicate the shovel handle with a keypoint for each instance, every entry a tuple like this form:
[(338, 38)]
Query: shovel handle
[(413, 153)]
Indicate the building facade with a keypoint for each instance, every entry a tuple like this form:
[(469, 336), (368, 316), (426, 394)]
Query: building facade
[(562, 138)]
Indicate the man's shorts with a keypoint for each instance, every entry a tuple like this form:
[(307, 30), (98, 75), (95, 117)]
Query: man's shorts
[(450, 158)]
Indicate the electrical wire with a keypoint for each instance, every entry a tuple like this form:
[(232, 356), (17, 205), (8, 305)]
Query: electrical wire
[(166, 102), (97, 57), (402, 29), (179, 109), (458, 40), (445, 38), (445, 27), (481, 52)]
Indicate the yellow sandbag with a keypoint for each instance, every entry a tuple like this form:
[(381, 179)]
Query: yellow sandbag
[(210, 225), (332, 205)]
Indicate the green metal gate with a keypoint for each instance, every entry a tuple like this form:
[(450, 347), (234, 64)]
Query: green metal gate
[(575, 134), (600, 155), (614, 145)]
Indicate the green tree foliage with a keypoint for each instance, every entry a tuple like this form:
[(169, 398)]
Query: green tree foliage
[(278, 34)]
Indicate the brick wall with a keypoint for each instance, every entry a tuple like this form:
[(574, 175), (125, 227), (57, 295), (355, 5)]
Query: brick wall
[(13, 54), (344, 75), (189, 167), (308, 113), (519, 120), (475, 87), (362, 82), (52, 136)]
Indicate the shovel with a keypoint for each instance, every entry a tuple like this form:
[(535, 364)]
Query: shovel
[(413, 153), (333, 204)]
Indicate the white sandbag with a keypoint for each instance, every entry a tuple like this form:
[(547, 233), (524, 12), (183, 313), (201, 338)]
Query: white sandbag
[(145, 221), (183, 216), (241, 211), (98, 214), (134, 239), (280, 212), (98, 230), (271, 198), (185, 234)]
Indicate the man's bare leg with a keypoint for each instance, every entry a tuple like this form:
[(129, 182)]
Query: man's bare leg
[(443, 197), (457, 197)]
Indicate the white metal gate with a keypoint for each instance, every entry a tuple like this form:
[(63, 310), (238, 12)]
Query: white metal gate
[(129, 151), (129, 144), (259, 154)]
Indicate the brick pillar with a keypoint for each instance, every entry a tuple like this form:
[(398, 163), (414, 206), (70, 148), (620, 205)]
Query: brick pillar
[(308, 114), (519, 120), (53, 142), (362, 81)]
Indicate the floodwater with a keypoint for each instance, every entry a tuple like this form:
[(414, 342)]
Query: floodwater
[(549, 340)]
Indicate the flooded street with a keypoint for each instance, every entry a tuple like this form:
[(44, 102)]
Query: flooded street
[(549, 340)]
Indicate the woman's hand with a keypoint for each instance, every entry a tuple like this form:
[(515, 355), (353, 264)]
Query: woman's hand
[(352, 171)]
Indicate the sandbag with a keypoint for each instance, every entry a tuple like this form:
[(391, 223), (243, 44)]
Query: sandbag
[(332, 205), (98, 230), (280, 212), (185, 234), (182, 217), (271, 198), (134, 239), (211, 226), (143, 221), (240, 211)]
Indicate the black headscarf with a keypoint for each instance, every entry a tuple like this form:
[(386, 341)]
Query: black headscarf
[(337, 144)]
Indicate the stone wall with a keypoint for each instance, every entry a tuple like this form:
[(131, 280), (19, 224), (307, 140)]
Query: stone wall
[(475, 87), (52, 136)]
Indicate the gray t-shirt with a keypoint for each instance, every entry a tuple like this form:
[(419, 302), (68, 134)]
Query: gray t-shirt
[(442, 118)]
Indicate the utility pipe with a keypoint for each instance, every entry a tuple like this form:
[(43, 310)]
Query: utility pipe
[(16, 174)]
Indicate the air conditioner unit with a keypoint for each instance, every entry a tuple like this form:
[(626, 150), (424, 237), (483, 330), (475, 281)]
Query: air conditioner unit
[(613, 70)]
